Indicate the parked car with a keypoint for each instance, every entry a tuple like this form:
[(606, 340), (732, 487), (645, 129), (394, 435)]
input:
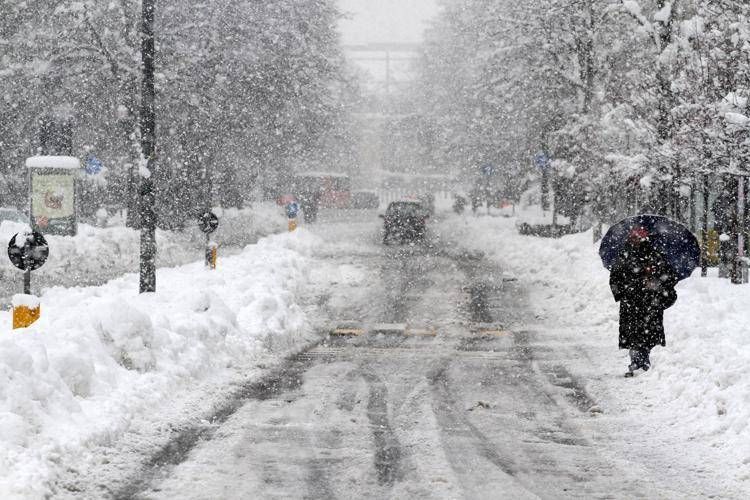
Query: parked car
[(404, 220), (13, 215), (365, 199)]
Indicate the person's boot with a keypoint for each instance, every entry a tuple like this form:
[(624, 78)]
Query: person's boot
[(645, 361), (635, 360)]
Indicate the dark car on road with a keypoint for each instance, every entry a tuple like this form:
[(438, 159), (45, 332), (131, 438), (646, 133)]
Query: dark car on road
[(405, 221)]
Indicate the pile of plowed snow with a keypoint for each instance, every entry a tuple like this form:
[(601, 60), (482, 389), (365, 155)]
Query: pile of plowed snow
[(101, 355), (96, 254)]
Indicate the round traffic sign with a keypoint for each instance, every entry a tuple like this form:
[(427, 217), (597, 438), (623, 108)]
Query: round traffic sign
[(292, 209), (28, 251), (208, 222)]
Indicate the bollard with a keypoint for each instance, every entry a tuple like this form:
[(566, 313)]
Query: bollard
[(292, 224), (26, 310), (212, 254)]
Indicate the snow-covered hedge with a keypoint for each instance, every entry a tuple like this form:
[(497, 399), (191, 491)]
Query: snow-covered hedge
[(101, 355)]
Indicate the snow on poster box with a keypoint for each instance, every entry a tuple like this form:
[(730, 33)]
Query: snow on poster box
[(52, 191)]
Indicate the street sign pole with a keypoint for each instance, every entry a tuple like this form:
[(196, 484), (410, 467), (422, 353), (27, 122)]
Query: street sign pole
[(208, 223), (27, 281), (27, 251), (292, 209), (208, 250)]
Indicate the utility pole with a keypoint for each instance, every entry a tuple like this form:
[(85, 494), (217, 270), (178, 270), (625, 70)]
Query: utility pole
[(704, 239), (148, 147), (739, 261)]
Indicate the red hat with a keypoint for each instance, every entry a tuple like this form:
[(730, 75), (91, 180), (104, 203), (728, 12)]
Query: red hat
[(637, 235)]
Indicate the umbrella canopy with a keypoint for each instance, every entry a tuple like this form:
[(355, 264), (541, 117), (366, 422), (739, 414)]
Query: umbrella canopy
[(678, 245)]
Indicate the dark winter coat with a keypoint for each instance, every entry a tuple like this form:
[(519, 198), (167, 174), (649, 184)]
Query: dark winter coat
[(643, 282)]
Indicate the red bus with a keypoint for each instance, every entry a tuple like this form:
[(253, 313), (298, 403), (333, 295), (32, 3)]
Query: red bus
[(334, 189)]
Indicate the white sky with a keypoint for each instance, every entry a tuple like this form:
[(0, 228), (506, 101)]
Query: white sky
[(395, 21), (385, 20)]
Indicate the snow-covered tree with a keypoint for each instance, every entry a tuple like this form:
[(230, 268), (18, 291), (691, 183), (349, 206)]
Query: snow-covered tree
[(635, 100), (246, 92)]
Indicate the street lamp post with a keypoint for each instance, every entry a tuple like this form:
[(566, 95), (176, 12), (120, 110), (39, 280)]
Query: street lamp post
[(739, 263), (148, 146)]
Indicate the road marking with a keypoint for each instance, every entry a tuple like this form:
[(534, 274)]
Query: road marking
[(388, 328), (347, 332), (349, 329), (420, 332), (352, 329), (488, 330)]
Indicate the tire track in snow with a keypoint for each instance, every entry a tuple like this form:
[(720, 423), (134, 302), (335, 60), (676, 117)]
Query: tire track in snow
[(388, 451), (452, 421), (282, 379)]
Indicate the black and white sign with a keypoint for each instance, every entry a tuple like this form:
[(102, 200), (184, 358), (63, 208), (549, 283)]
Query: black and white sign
[(208, 222), (28, 251)]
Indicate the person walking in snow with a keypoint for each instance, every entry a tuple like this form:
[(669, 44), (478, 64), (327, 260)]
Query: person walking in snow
[(643, 282)]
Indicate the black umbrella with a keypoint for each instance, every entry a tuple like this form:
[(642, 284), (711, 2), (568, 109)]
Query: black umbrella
[(673, 240)]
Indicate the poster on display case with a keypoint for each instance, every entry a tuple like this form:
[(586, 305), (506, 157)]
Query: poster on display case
[(52, 193)]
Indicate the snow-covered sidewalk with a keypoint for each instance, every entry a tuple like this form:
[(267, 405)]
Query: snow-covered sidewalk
[(693, 405), (101, 356)]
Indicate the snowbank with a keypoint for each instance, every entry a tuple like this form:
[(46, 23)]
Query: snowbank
[(97, 254), (101, 355), (698, 389), (534, 215)]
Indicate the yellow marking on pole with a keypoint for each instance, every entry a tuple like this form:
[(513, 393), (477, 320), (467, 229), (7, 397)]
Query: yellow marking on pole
[(24, 316), (214, 256), (292, 225)]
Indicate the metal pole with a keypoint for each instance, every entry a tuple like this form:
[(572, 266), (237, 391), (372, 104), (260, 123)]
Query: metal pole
[(740, 228), (27, 281), (26, 268), (554, 202), (208, 250), (704, 239), (148, 147)]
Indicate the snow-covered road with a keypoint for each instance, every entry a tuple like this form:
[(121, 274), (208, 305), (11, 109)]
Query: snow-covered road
[(485, 408)]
